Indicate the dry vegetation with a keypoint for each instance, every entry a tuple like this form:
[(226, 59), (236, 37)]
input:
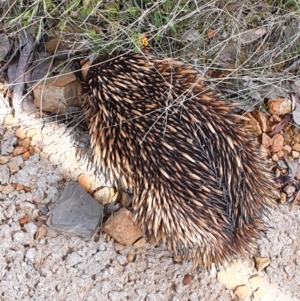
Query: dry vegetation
[(248, 49)]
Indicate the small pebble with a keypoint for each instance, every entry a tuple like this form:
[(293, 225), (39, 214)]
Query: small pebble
[(287, 149), (119, 247), (30, 133), (19, 186), (26, 155), (130, 257), (140, 243), (21, 132), (13, 167), (261, 262), (289, 189), (27, 189), (282, 199), (258, 294), (243, 291), (25, 142), (24, 220), (126, 199), (7, 189), (122, 227), (295, 154), (296, 147), (19, 150), (41, 232), (255, 281), (85, 182), (4, 159), (106, 195), (229, 277), (277, 143), (44, 210), (187, 279)]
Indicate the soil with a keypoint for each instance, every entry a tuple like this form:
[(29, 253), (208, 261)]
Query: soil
[(53, 266)]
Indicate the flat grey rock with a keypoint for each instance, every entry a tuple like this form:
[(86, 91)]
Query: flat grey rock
[(76, 212)]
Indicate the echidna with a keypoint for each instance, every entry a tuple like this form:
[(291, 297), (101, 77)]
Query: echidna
[(199, 179)]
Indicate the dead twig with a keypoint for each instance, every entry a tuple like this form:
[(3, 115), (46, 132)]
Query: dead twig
[(26, 57)]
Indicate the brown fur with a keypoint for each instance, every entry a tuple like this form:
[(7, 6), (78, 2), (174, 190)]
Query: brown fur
[(199, 179)]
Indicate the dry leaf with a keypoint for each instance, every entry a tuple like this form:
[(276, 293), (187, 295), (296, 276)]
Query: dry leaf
[(211, 34)]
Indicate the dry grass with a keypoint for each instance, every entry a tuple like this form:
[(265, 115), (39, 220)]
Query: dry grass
[(247, 49)]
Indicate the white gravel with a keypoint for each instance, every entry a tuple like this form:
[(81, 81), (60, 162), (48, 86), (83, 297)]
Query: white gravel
[(57, 267)]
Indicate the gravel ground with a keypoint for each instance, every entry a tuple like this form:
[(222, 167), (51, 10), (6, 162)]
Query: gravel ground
[(53, 266)]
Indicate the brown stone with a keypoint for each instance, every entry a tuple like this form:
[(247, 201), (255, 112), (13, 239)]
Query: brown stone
[(287, 149), (24, 220), (187, 279), (37, 150), (277, 173), (266, 141), (243, 291), (10, 120), (254, 123), (21, 132), (177, 258), (229, 277), (262, 120), (281, 106), (27, 189), (26, 155), (295, 154), (19, 186), (282, 199), (30, 133), (280, 154), (130, 257), (106, 195), (275, 157), (19, 150), (37, 137), (122, 228), (56, 94), (4, 159), (140, 243), (84, 181), (289, 189), (119, 247), (261, 262), (31, 150), (7, 189), (277, 143), (126, 199), (25, 142), (296, 147), (256, 281), (13, 167), (285, 107), (41, 232), (258, 294), (264, 151)]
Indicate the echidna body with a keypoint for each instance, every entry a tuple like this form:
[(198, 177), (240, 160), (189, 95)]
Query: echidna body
[(199, 179)]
